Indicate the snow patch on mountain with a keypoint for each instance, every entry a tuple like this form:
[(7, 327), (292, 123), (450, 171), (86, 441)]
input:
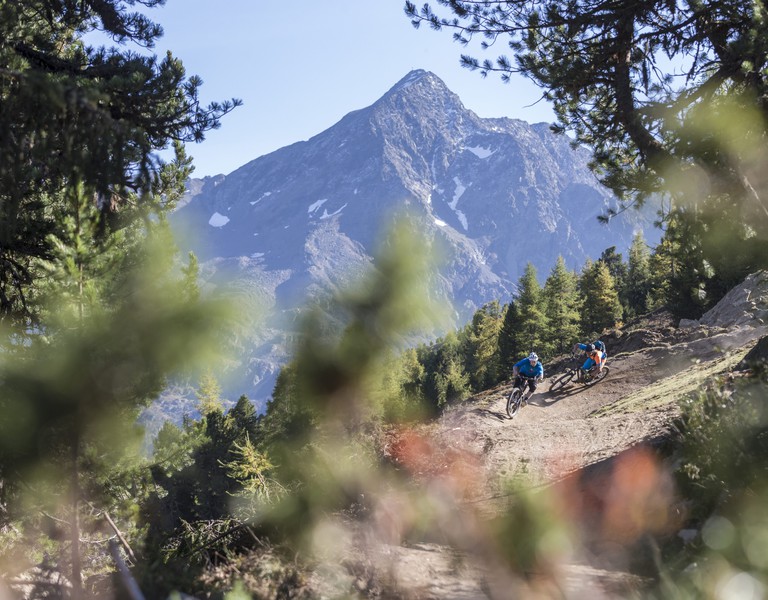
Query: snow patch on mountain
[(327, 215), (218, 220), (316, 205), (481, 152), (264, 195), (460, 189)]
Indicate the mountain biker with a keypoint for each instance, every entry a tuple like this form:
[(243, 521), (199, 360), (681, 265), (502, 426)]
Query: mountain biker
[(595, 357), (530, 366)]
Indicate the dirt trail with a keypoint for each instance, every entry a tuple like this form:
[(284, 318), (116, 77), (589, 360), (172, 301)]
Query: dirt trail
[(557, 433), (570, 438)]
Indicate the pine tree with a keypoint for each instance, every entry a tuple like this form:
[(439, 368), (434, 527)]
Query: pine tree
[(680, 274), (287, 420), (561, 306), (116, 325), (76, 112), (616, 266)]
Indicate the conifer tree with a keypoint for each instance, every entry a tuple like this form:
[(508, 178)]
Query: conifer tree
[(209, 394), (638, 286), (508, 349), (116, 325), (531, 325), (483, 345), (449, 380), (601, 307), (680, 274), (561, 306), (617, 268), (413, 374), (77, 112), (286, 420), (401, 394)]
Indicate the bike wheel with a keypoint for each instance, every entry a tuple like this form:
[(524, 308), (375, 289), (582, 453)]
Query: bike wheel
[(513, 402), (599, 377), (564, 379)]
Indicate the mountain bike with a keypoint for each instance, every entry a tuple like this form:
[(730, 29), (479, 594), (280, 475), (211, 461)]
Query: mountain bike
[(588, 379), (516, 398), (573, 371)]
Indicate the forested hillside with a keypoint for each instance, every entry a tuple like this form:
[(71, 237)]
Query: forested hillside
[(377, 473)]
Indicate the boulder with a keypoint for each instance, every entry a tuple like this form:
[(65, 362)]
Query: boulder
[(755, 358), (745, 305)]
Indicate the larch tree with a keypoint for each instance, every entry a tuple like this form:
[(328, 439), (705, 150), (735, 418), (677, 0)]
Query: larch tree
[(561, 307), (483, 342), (209, 394), (531, 326), (617, 268), (638, 286), (449, 381), (601, 306)]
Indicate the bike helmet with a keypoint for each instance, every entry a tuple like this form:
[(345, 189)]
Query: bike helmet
[(532, 357), (590, 348)]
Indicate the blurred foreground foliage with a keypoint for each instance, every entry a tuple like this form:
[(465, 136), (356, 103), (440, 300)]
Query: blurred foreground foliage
[(723, 476), (118, 321), (326, 492), (96, 308)]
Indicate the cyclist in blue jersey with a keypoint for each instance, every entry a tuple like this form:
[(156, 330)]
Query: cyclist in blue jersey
[(531, 367)]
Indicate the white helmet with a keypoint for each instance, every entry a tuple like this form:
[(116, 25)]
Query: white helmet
[(532, 357)]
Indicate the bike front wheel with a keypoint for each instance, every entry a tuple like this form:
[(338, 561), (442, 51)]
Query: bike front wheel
[(564, 379), (513, 402)]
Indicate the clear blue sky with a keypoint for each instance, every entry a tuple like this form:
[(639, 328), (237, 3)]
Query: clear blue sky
[(301, 65)]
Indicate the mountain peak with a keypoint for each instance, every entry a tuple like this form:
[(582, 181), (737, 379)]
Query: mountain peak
[(412, 77), (421, 97), (421, 79)]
